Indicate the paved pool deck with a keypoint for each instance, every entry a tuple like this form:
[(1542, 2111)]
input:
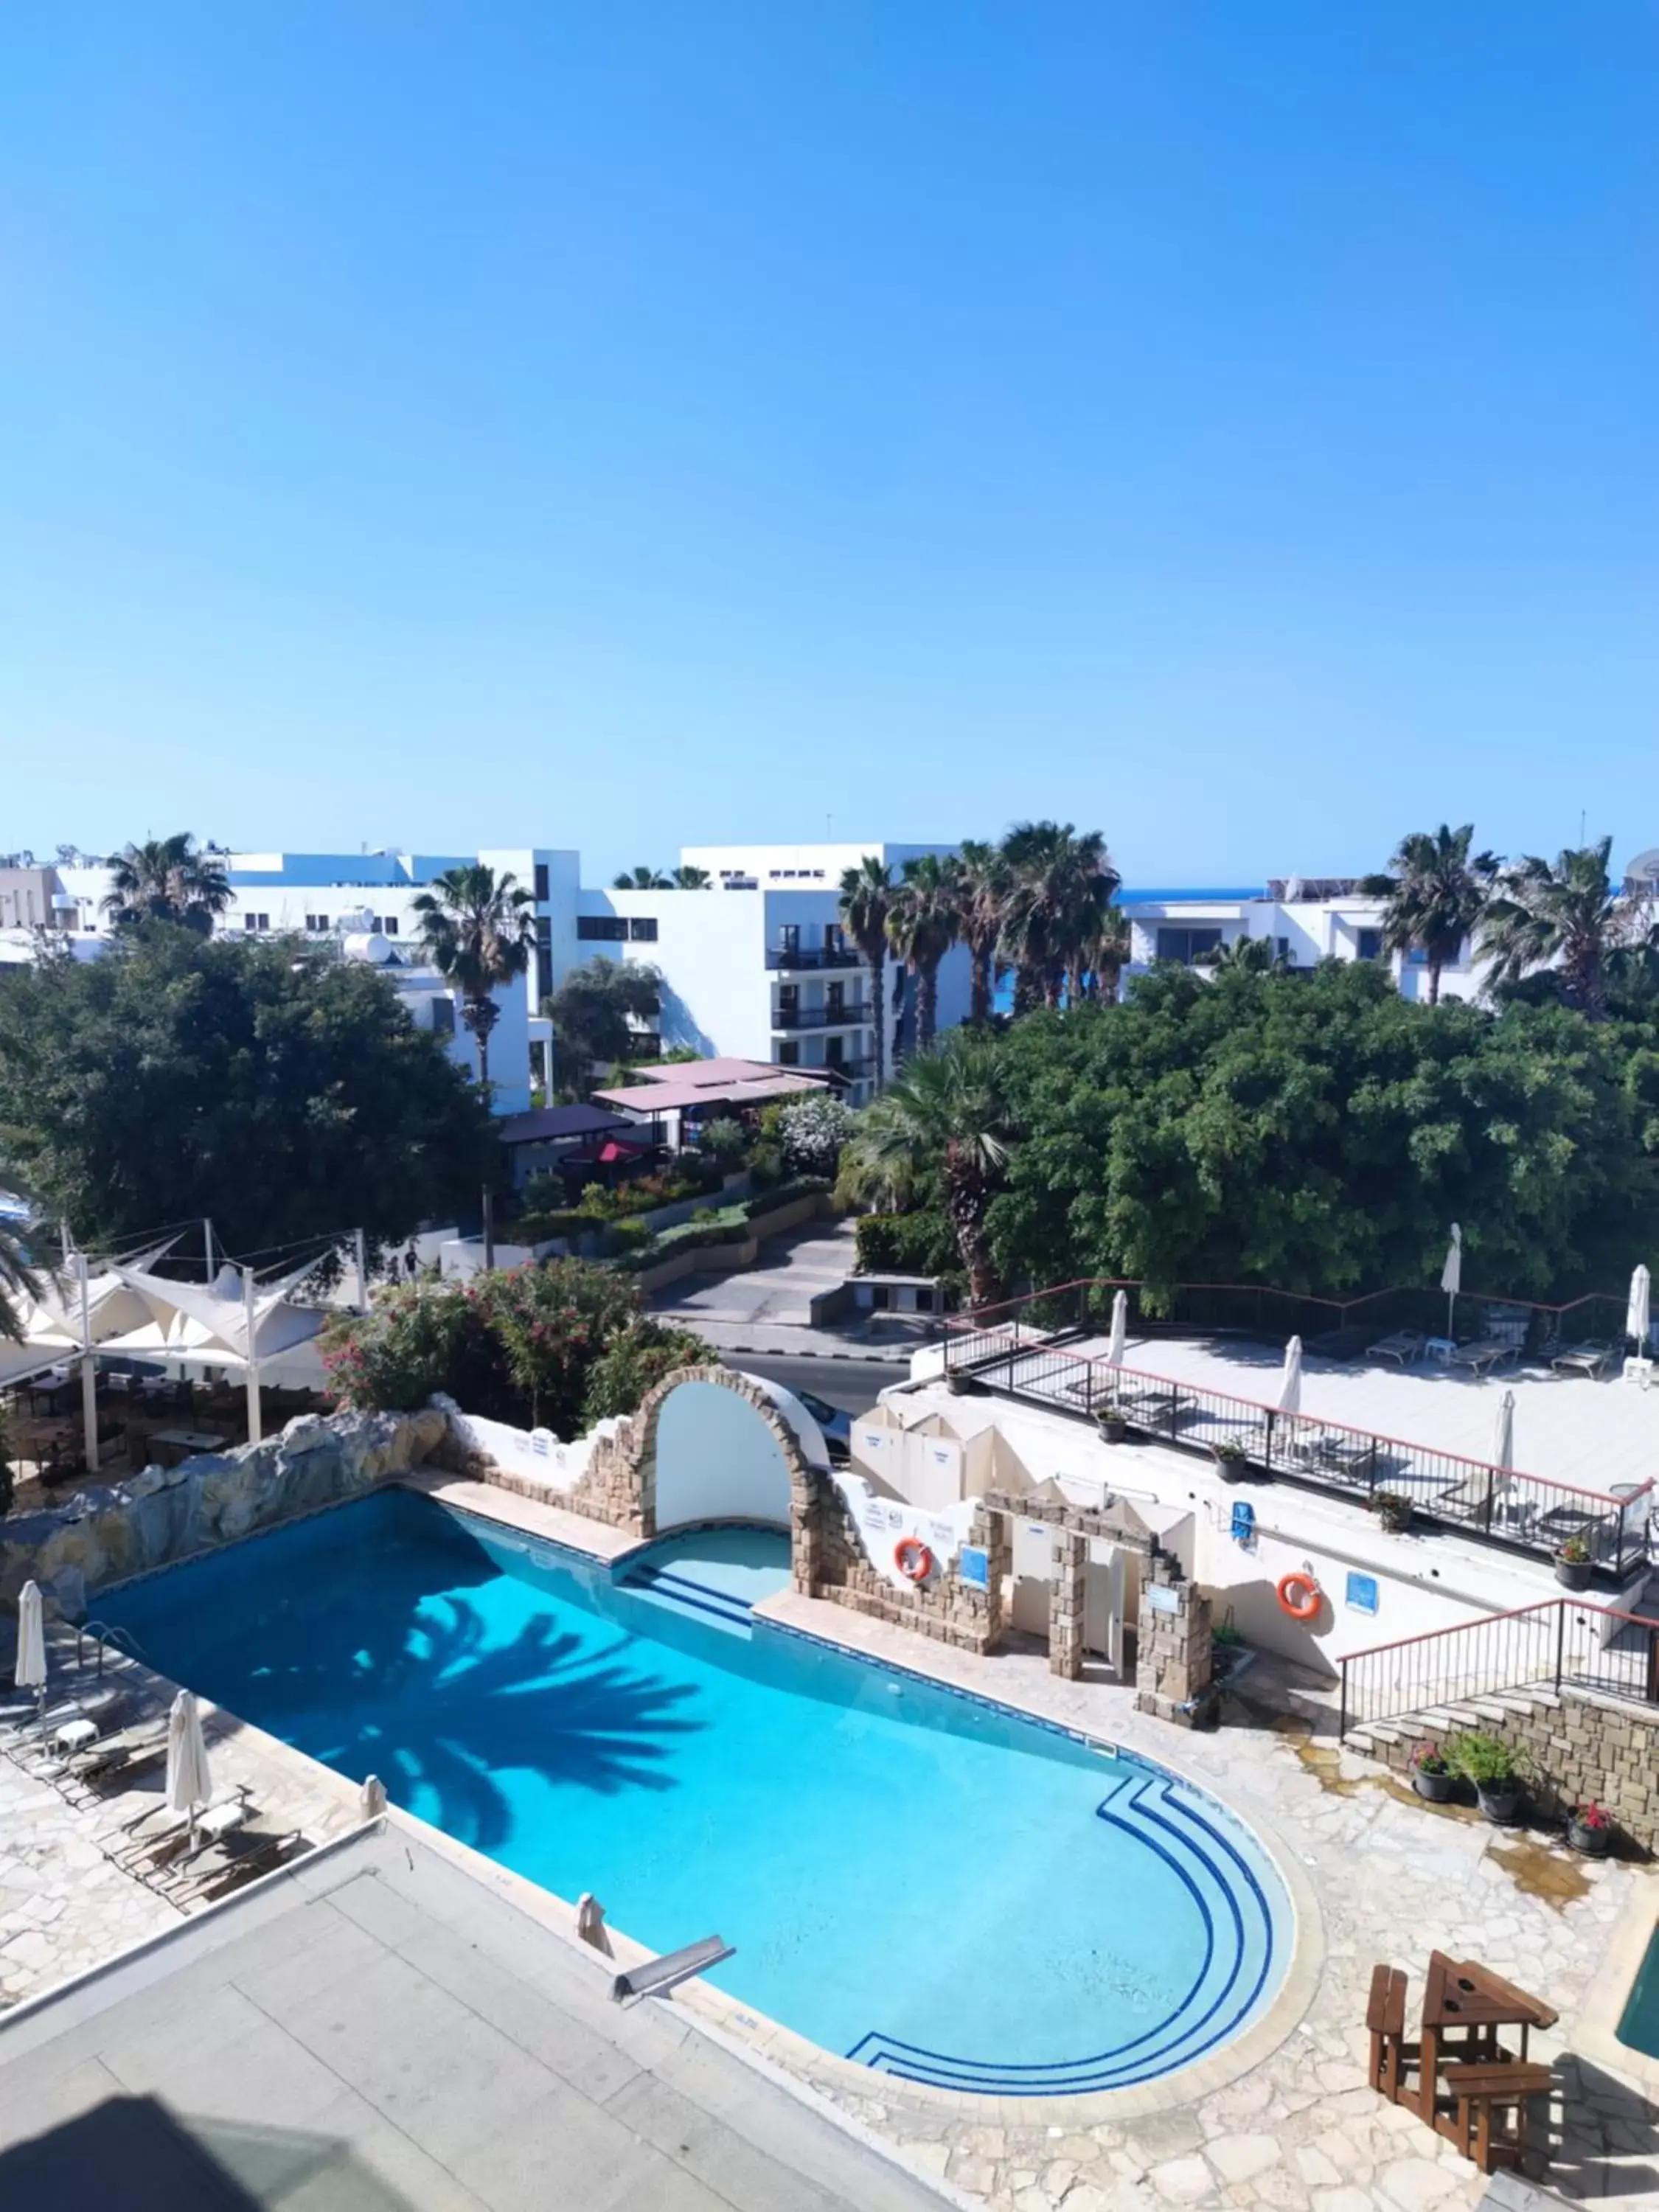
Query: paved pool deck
[(1287, 2122)]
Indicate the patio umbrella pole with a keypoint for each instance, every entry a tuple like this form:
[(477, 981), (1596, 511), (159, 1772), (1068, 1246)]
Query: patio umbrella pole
[(255, 1427), (88, 1370)]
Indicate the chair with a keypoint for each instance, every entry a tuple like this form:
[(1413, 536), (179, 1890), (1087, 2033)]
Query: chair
[(158, 1836), (232, 1859), (1404, 1346), (1385, 2019), (1481, 2092)]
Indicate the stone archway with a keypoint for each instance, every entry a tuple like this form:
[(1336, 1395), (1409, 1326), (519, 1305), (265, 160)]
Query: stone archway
[(621, 1484)]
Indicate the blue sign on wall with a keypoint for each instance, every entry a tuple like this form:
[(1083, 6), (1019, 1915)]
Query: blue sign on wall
[(1362, 1593), (974, 1567)]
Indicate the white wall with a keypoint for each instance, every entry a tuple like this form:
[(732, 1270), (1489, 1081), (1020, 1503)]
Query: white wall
[(717, 1461), (709, 948)]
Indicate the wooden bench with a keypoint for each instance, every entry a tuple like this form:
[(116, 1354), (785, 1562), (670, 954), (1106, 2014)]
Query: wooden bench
[(1480, 2091), (1385, 2018)]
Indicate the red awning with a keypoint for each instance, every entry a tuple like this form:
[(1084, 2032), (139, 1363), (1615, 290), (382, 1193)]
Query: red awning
[(612, 1154)]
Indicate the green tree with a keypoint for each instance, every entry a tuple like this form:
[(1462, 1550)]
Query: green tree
[(277, 1088), (635, 1361), (944, 1114), (812, 1131), (19, 1279), (985, 880), (1246, 956), (924, 920), (866, 892), (593, 1010), (479, 933), (1106, 951), (687, 878), (168, 879), (1317, 1132), (1436, 894), (641, 879), (1570, 917)]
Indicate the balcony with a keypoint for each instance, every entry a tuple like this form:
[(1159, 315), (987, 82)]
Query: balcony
[(820, 1018), (805, 956)]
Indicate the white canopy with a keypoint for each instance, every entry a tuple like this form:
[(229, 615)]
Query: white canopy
[(205, 1325), (51, 1320)]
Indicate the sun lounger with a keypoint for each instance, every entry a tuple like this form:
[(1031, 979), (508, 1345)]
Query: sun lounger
[(234, 1859), (1403, 1346), (113, 1757), (1482, 1357), (160, 1837), (1591, 1359)]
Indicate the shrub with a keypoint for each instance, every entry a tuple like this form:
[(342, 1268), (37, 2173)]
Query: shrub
[(628, 1236), (906, 1244), (635, 1361), (812, 1131), (723, 1142), (782, 1193), (1485, 1761)]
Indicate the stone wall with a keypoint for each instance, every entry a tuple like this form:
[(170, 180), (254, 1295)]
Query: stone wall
[(1173, 1652), (1578, 1748), (164, 1514), (831, 1562)]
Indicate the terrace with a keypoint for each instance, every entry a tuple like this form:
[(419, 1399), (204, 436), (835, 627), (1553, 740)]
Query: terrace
[(1418, 1426)]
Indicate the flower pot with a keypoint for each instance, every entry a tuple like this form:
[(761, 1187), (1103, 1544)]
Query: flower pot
[(1574, 1574), (960, 1386), (1500, 1802), (1231, 1470), (1589, 1843), (1114, 1428), (1438, 1789)]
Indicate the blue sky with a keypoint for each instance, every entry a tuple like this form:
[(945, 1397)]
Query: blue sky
[(1231, 425)]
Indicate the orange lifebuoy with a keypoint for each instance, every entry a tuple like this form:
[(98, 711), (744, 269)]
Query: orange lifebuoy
[(913, 1559), (1301, 1607)]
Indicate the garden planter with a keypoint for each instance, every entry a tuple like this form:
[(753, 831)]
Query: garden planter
[(960, 1386), (1589, 1843), (1233, 1470), (1574, 1574), (1113, 1429), (1499, 1802), (1437, 1789)]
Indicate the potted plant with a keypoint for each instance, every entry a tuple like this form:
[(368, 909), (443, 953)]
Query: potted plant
[(1113, 1422), (1575, 1563), (1232, 1459), (1431, 1773), (1589, 1831), (1393, 1510), (1494, 1769)]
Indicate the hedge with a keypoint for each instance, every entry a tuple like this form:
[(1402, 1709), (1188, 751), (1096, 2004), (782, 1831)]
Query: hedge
[(906, 1244)]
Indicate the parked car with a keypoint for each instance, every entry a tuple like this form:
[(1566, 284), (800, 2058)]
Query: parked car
[(836, 1425)]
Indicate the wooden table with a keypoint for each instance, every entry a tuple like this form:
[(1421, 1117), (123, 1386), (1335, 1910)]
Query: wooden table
[(1463, 1998), (186, 1442)]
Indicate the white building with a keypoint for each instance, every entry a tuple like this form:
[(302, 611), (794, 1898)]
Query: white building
[(758, 968)]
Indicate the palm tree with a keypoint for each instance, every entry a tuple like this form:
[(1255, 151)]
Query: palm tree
[(18, 1281), (1569, 916), (687, 878), (168, 879), (866, 893), (479, 931), (924, 920), (642, 879), (1061, 885), (1107, 953), (1245, 956), (943, 1112), (984, 880), (1436, 894)]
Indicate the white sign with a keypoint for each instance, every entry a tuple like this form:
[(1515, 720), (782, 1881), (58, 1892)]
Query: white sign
[(1162, 1600)]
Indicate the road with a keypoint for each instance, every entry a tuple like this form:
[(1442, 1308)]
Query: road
[(852, 1385)]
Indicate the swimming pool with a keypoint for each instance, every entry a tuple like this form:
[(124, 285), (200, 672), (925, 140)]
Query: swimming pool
[(930, 1885)]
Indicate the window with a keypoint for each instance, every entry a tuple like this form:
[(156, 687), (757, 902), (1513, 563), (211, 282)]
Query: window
[(252, 922), (443, 1016), (317, 923), (601, 928), (542, 893), (544, 957), (643, 928), (789, 1055), (1184, 946), (1282, 947), (1370, 944), (389, 926)]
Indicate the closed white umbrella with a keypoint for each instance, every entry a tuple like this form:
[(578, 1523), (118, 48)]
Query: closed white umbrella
[(1636, 1313), (1502, 1449), (1290, 1391), (30, 1672), (189, 1783), (1451, 1275), (1120, 1329)]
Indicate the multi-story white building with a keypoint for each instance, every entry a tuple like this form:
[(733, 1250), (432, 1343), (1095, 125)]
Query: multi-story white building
[(757, 967)]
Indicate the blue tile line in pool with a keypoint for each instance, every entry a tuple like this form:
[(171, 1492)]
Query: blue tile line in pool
[(681, 1590), (1174, 2040)]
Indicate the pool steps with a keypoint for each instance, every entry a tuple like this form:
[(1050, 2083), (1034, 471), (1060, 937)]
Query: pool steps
[(1166, 1817)]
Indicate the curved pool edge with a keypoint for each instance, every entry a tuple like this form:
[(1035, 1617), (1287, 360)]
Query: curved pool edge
[(1596, 2031)]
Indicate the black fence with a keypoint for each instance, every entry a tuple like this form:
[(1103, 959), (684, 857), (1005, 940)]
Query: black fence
[(1560, 1642)]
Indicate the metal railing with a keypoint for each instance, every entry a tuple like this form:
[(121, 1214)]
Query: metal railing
[(813, 956), (1503, 1506), (1561, 1642), (821, 1018)]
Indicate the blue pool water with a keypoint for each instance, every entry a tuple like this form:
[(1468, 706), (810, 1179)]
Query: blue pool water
[(930, 1884), (1638, 2025)]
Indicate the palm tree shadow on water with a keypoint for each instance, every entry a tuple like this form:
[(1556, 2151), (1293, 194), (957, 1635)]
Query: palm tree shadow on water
[(441, 1707)]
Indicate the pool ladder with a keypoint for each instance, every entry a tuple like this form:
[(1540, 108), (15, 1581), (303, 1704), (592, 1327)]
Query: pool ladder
[(107, 1638)]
